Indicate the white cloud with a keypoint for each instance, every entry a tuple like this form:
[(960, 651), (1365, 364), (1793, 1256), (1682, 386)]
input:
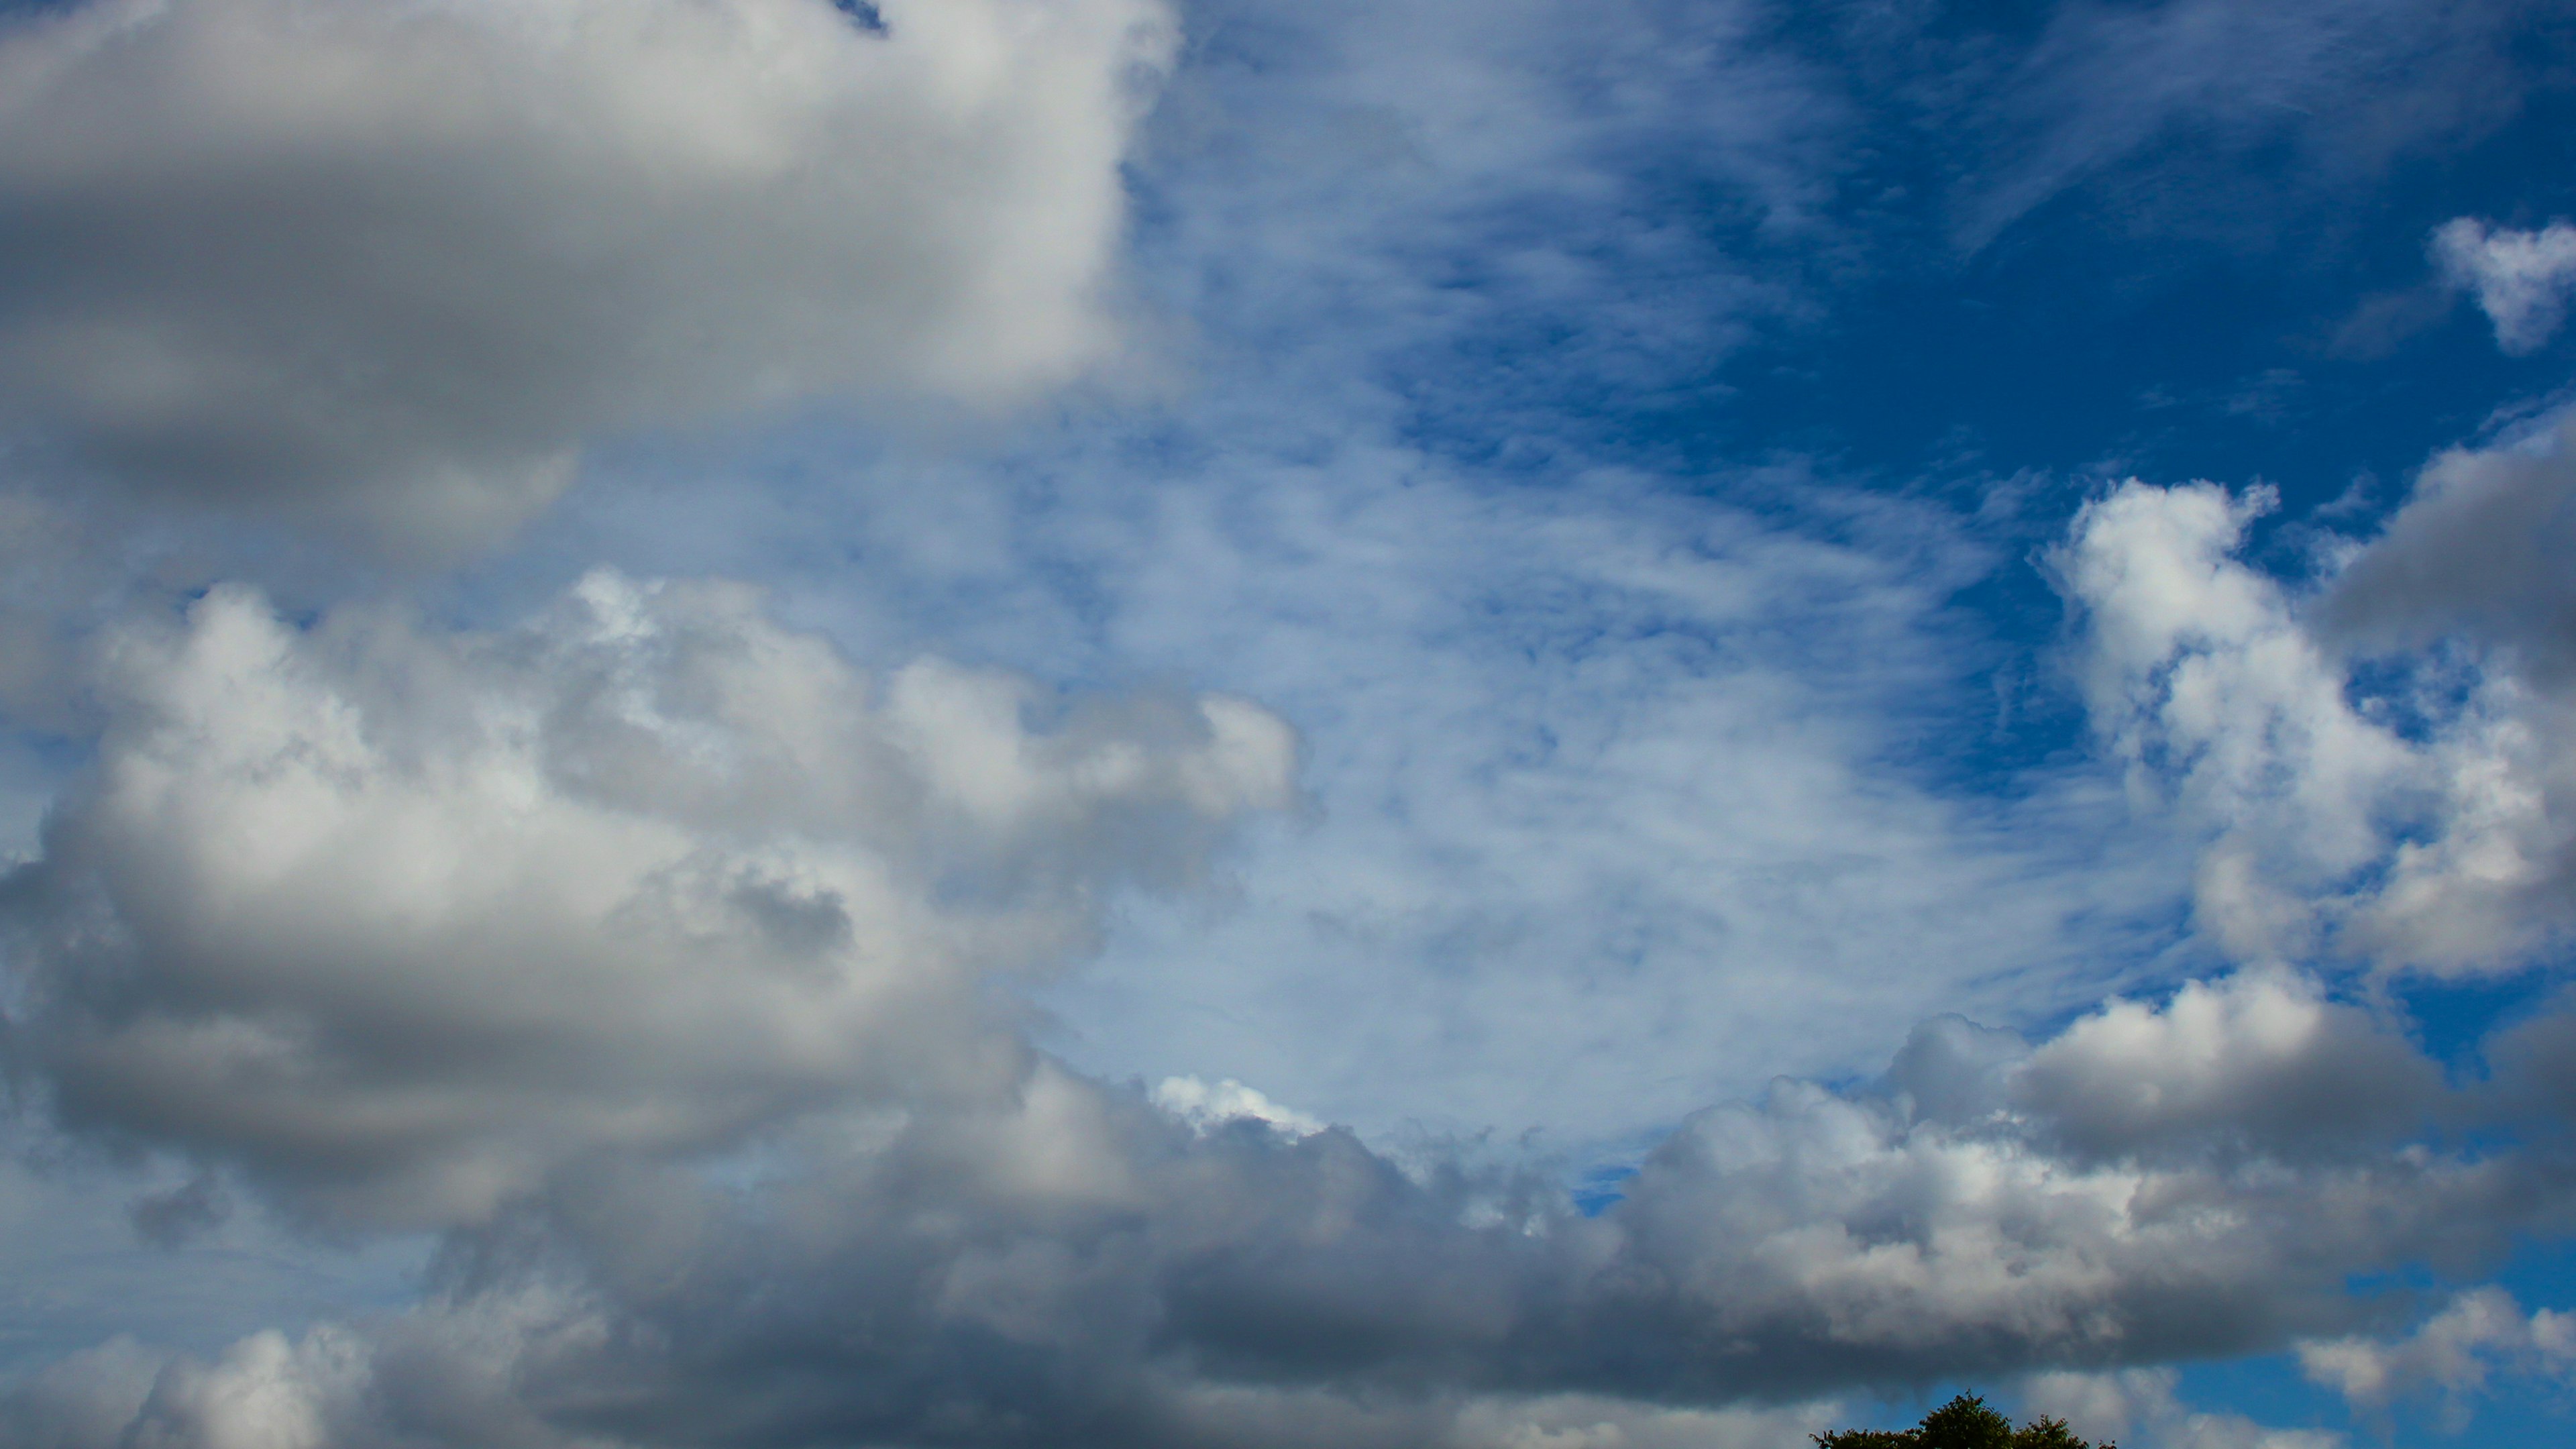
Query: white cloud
[(2204, 683), (2478, 1333), (2261, 1061), (392, 266), (2138, 1408), (666, 960), (265, 1393), (1205, 1107), (2427, 823), (404, 922), (2522, 279)]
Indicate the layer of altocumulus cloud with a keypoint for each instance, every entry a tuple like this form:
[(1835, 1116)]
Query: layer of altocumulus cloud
[(643, 950), (393, 267)]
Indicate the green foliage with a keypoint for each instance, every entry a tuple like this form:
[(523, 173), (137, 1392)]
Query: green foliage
[(1963, 1423)]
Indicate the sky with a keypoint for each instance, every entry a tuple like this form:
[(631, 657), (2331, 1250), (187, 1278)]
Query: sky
[(1209, 724)]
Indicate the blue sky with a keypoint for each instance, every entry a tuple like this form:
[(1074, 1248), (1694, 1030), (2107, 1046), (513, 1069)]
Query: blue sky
[(1063, 721)]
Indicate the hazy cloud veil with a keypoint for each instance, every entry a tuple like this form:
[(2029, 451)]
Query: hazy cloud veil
[(1220, 504)]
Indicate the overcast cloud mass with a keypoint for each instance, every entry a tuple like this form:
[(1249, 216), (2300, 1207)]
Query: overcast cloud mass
[(790, 724)]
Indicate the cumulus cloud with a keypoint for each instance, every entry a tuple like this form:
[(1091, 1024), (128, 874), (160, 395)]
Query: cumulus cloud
[(391, 266), (2261, 1062), (1056, 1260), (2476, 1334), (661, 959), (2138, 1408), (2423, 820), (1204, 1106), (2477, 551), (407, 920), (2521, 278), (2205, 684)]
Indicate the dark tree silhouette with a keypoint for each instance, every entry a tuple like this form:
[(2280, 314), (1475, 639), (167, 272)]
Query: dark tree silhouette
[(1963, 1423)]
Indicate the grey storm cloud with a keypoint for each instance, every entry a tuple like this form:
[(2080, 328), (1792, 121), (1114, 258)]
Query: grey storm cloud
[(390, 267)]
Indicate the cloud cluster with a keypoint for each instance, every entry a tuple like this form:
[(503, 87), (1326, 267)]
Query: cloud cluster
[(2521, 278), (2381, 766), (2478, 1333), (408, 921), (1055, 1260), (2139, 1407), (659, 958), (391, 266), (668, 967)]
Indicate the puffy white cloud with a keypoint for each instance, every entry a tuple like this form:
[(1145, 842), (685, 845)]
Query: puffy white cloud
[(1204, 1106), (2138, 1408), (2521, 278), (2426, 821), (2261, 1061), (2201, 678), (392, 265), (265, 1393), (406, 921), (2477, 1333)]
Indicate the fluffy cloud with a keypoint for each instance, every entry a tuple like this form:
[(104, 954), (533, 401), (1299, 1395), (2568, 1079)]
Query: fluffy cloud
[(2138, 1407), (2477, 1333), (405, 922), (2260, 1063), (2425, 818), (1063, 1261), (2520, 278), (661, 960), (2478, 551), (2206, 685), (392, 265)]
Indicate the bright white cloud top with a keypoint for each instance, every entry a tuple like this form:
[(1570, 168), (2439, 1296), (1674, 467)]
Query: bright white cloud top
[(1235, 726)]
